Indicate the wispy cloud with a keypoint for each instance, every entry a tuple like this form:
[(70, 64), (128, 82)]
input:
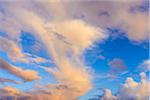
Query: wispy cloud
[(8, 91), (65, 40), (145, 66), (117, 65), (5, 80), (27, 75), (12, 49), (16, 54)]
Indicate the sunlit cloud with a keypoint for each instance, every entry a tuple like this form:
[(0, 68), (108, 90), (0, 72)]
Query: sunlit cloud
[(130, 90), (66, 30), (5, 80), (27, 75), (116, 14), (12, 49), (65, 41), (9, 91)]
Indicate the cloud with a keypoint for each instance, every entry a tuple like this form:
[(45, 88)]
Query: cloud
[(115, 14), (9, 91), (75, 78), (31, 58), (145, 66), (39, 60), (134, 90), (131, 90), (66, 47), (5, 80), (77, 33), (13, 93), (108, 95), (12, 49), (117, 65), (27, 75), (50, 92), (65, 40), (101, 13), (16, 54)]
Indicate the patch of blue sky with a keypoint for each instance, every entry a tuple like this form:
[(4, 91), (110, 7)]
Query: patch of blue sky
[(98, 88), (131, 53), (30, 44), (5, 74), (4, 55), (119, 47), (46, 77), (2, 33)]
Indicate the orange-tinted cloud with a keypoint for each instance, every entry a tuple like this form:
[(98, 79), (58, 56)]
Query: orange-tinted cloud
[(27, 75)]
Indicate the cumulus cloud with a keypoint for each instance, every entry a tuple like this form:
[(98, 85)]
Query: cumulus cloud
[(108, 95), (135, 90), (131, 90), (27, 75)]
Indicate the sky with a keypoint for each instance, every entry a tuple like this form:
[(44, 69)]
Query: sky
[(74, 50)]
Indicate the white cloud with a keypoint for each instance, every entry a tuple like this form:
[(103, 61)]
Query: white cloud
[(131, 90), (145, 65), (108, 95), (135, 90)]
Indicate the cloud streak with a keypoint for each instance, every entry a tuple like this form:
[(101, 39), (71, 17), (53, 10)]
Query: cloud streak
[(12, 49), (65, 40), (5, 80), (27, 75)]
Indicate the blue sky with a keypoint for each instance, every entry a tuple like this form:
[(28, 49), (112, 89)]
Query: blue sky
[(132, 54), (82, 50)]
